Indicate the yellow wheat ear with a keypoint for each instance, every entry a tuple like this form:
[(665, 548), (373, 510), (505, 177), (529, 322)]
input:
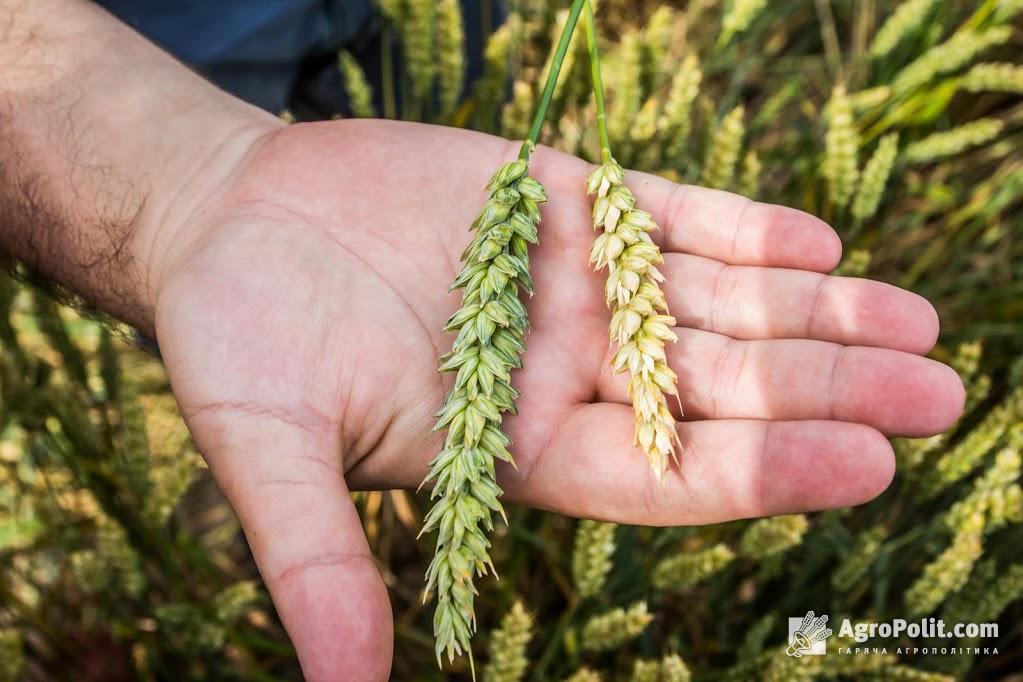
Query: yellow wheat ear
[(640, 323)]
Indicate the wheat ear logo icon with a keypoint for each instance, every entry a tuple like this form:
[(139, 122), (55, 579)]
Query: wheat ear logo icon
[(811, 630)]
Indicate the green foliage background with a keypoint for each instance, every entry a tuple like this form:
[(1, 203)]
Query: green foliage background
[(120, 560)]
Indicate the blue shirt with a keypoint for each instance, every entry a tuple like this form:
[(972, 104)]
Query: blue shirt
[(251, 48)]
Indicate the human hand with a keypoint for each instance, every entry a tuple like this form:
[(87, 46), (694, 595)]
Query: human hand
[(299, 312)]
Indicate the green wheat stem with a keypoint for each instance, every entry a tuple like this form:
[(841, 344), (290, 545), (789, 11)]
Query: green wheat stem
[(598, 84), (529, 144)]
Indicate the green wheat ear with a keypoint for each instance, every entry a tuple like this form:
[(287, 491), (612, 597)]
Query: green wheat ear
[(994, 77), (875, 177), (613, 628), (490, 330), (360, 94), (723, 152), (450, 54), (591, 557), (840, 147), (676, 121), (584, 675), (507, 647), (640, 323), (949, 143), (739, 17), (687, 568), (906, 18), (772, 536)]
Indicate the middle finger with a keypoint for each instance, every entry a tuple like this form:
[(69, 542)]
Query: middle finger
[(723, 378), (748, 302)]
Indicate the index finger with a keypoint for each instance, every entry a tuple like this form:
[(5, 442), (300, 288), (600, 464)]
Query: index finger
[(733, 229)]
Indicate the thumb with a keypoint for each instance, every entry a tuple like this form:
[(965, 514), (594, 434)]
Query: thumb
[(285, 483)]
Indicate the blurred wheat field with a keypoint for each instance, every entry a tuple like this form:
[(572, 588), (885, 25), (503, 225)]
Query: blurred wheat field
[(901, 123)]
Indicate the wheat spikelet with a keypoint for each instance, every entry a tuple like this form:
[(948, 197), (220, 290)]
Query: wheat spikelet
[(723, 152), (1006, 506), (950, 56), (676, 122), (135, 455), (869, 98), (674, 669), (779, 667), (875, 177), (450, 54), (756, 636), (517, 114), (906, 18), (988, 592), (591, 557), (961, 606), (955, 141), (612, 629), (646, 152), (910, 453), (360, 95), (966, 359), (738, 18), (771, 536), (860, 558), (169, 485), (686, 569), (749, 181), (584, 675), (640, 324), (840, 145), (949, 571), (501, 50), (89, 572), (1007, 9), (200, 634), (774, 105), (233, 601), (627, 77), (965, 455), (1000, 76), (856, 263), (491, 327), (507, 647), (393, 10), (645, 671), (418, 40), (658, 36), (988, 498), (977, 389), (966, 362), (644, 127), (113, 563)]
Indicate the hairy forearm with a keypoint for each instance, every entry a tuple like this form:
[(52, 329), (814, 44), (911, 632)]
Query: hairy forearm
[(107, 146)]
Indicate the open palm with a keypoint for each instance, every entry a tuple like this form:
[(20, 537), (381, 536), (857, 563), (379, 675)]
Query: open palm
[(300, 318)]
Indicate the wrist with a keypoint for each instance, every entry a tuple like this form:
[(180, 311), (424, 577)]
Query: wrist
[(107, 147), (181, 216)]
